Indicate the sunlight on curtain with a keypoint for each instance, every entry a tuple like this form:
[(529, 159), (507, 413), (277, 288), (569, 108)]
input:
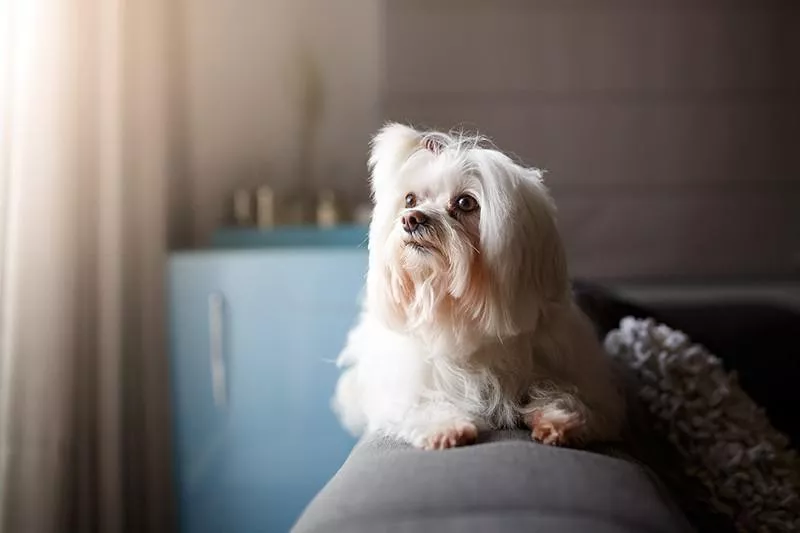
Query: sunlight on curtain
[(82, 246)]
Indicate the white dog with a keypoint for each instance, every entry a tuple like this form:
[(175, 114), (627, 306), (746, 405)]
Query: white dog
[(468, 321)]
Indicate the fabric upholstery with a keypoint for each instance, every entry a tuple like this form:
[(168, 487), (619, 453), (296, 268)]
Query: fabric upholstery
[(506, 482)]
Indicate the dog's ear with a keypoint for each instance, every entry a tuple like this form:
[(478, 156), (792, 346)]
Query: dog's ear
[(390, 148), (517, 208)]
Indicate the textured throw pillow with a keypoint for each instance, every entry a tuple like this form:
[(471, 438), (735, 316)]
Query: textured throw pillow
[(723, 438)]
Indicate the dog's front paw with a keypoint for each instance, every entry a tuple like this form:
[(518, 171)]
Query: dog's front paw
[(555, 427), (449, 436)]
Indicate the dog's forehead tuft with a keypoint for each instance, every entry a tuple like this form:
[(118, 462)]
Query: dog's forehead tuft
[(438, 177)]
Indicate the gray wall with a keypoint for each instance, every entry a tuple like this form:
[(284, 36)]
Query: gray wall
[(240, 69), (668, 127)]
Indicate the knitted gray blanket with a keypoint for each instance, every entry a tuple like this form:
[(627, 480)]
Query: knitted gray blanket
[(723, 439)]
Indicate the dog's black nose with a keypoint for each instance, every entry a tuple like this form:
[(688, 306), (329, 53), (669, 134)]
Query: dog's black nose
[(412, 220)]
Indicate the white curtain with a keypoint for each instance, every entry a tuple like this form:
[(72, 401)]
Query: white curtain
[(84, 418)]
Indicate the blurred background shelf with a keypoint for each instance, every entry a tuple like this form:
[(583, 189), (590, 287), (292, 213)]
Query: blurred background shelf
[(290, 237)]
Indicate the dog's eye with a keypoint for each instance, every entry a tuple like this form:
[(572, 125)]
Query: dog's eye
[(411, 199), (466, 203)]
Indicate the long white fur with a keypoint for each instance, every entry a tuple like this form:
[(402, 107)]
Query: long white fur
[(481, 331)]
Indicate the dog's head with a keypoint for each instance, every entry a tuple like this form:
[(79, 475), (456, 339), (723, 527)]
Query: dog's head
[(461, 236)]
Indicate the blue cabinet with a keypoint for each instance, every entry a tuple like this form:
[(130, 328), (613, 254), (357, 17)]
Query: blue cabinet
[(254, 334)]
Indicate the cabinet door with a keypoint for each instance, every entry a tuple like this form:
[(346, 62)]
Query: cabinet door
[(269, 442), (196, 314)]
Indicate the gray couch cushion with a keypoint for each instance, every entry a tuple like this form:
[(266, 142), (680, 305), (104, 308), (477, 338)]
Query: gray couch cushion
[(503, 483)]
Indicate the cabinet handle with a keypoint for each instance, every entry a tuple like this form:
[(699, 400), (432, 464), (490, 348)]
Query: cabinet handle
[(216, 321)]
